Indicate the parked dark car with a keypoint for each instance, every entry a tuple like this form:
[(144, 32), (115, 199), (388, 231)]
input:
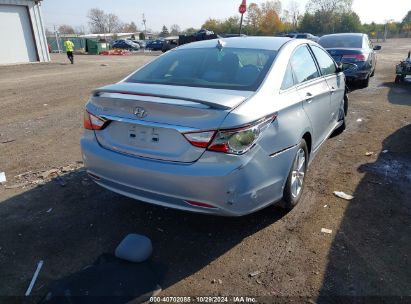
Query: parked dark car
[(301, 36), (156, 45), (354, 48), (307, 36), (141, 43), (125, 45), (169, 44)]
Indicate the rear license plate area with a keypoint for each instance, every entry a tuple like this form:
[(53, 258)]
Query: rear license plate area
[(143, 136)]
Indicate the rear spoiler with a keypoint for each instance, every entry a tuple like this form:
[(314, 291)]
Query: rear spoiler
[(99, 92)]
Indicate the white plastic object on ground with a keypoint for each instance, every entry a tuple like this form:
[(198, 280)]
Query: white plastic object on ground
[(2, 177), (33, 280), (343, 195), (325, 230)]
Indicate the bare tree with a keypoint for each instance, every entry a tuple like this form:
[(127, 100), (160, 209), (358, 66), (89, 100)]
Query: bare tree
[(175, 30), (329, 6), (114, 24), (80, 30), (49, 33), (129, 27), (66, 29), (101, 23), (97, 21), (271, 5), (294, 12)]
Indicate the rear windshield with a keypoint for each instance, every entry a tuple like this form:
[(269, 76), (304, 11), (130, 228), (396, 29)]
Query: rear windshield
[(229, 68), (341, 41)]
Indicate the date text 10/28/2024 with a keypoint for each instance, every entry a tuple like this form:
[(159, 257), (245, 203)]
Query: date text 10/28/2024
[(204, 299)]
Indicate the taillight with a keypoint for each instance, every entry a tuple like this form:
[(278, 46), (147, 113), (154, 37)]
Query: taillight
[(356, 57), (234, 141), (200, 139), (93, 122)]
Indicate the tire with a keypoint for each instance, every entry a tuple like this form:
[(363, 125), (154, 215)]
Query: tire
[(341, 117), (364, 83), (294, 185), (373, 73), (397, 79)]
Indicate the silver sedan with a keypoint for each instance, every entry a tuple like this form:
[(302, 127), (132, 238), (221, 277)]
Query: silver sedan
[(224, 127)]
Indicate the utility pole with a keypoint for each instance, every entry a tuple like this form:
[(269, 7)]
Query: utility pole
[(56, 33), (242, 9), (386, 28), (145, 28)]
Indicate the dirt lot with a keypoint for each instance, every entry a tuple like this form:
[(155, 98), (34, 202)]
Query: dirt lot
[(367, 254)]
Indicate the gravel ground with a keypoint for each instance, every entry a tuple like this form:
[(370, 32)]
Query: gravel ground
[(367, 254)]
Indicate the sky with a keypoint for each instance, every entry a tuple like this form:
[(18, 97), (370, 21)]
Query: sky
[(193, 13)]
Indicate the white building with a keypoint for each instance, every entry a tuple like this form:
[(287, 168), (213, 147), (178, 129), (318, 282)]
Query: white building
[(22, 37)]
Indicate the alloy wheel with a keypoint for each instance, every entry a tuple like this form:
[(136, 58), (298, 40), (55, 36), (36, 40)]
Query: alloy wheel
[(298, 173)]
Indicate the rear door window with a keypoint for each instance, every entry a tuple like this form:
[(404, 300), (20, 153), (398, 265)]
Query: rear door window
[(288, 80), (324, 60), (303, 65)]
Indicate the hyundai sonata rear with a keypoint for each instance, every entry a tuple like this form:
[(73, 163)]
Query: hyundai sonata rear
[(192, 130)]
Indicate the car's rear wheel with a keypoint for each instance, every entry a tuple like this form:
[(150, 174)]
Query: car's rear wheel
[(341, 117), (295, 182)]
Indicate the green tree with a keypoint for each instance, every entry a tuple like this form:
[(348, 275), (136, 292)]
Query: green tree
[(164, 32), (325, 16), (190, 31), (252, 19), (348, 22), (231, 25), (213, 25), (308, 24), (407, 18), (142, 36)]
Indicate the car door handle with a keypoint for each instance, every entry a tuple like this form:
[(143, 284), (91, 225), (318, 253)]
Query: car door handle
[(308, 97)]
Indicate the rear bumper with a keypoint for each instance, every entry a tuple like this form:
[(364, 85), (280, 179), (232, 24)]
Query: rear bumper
[(361, 74), (234, 185)]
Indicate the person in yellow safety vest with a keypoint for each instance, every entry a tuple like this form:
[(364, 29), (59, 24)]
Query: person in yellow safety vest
[(69, 50)]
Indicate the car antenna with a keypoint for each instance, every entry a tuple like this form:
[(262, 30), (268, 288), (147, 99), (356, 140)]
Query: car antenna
[(220, 44)]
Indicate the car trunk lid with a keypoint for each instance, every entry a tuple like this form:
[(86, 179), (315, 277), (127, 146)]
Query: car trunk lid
[(149, 120)]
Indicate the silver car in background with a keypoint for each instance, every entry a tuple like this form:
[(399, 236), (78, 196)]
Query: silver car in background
[(224, 127)]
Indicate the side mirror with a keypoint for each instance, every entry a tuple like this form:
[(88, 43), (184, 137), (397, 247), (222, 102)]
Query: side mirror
[(377, 47), (339, 67)]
